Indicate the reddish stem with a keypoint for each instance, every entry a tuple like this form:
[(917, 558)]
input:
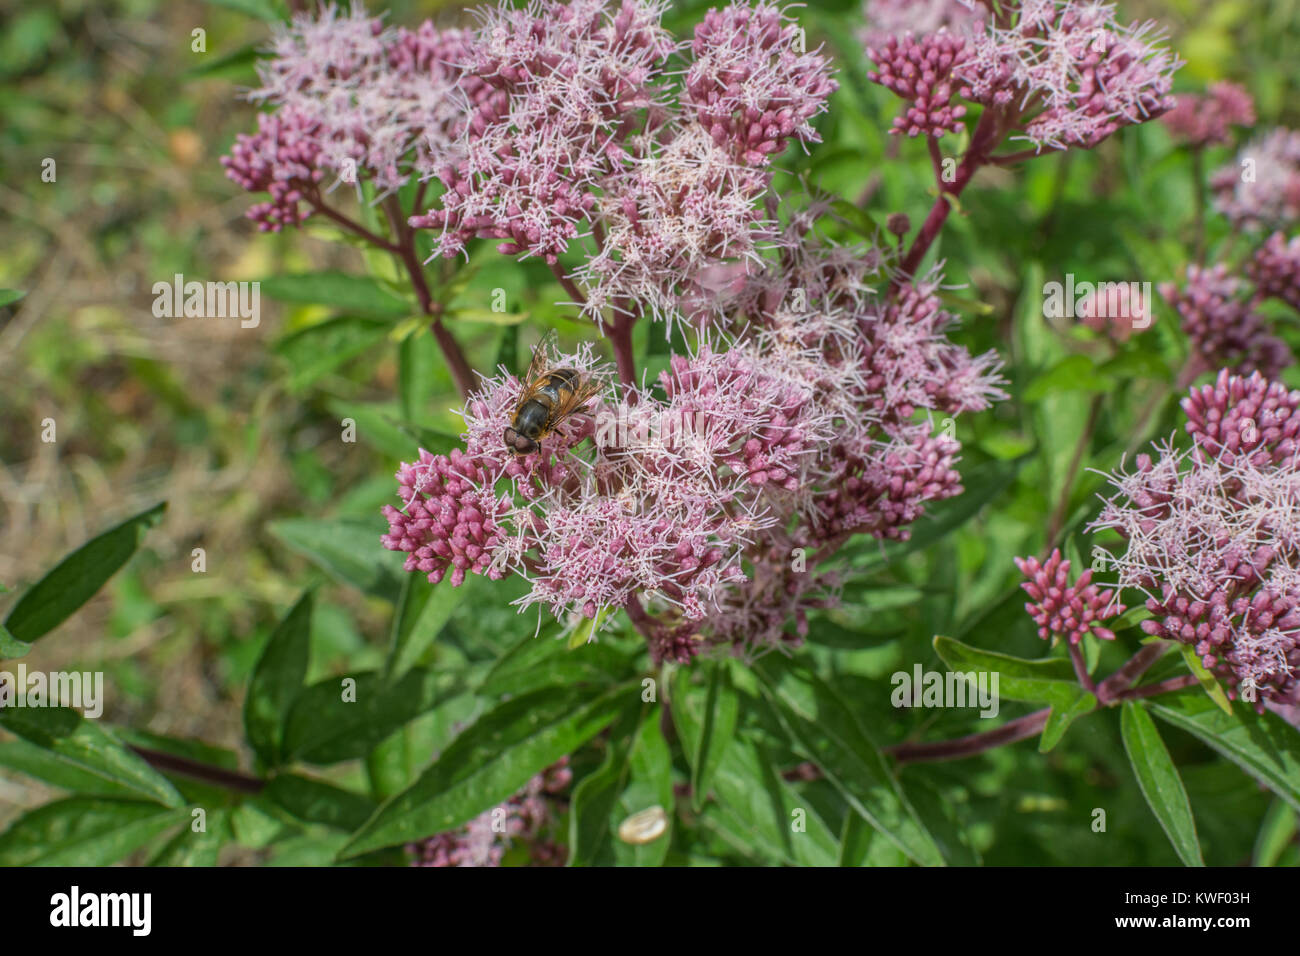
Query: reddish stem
[(1008, 733)]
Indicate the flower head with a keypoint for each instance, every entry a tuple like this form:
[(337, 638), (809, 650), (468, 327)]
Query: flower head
[(1224, 327), (1260, 189), (1200, 121), (1062, 609)]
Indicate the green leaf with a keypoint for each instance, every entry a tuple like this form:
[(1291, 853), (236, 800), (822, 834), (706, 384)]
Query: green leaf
[(63, 748), (488, 317), (277, 680), (1049, 681), (348, 549), (490, 761), (52, 599), (584, 632), (758, 811), (710, 721), (1264, 745), (323, 728), (418, 366), (1061, 716), (1209, 683), (314, 801), (650, 785), (10, 296), (380, 425), (828, 733), (422, 613), (1159, 780), (1276, 832), (319, 349), (196, 848), (537, 662), (237, 64), (360, 295), (862, 845), (11, 648), (1075, 373), (595, 800), (859, 220), (84, 831)]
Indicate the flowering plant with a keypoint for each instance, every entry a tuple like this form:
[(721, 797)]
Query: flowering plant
[(720, 422)]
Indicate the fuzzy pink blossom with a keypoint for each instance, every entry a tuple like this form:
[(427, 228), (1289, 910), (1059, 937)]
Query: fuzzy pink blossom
[(1200, 121), (350, 99), (1116, 310), (1212, 538), (751, 85), (1260, 189), (1062, 609), (567, 81), (1275, 269), (1074, 73), (1222, 324), (899, 18)]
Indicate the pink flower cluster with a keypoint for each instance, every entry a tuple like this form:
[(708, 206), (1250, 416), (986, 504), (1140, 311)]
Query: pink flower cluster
[(705, 494), (349, 99), (1200, 121), (1062, 609), (1222, 323), (1260, 189), (525, 818), (1275, 269), (1062, 72), (589, 136), (751, 86), (899, 18), (1212, 536)]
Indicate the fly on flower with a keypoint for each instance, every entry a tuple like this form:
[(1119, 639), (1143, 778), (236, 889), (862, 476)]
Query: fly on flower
[(551, 394)]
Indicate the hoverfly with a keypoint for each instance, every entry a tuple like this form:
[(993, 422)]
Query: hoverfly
[(550, 396)]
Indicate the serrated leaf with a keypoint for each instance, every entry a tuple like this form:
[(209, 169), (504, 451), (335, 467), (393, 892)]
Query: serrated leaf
[(591, 837), (1159, 780), (196, 848), (69, 750), (324, 728), (1264, 745), (827, 732), (84, 831), (314, 801), (54, 598), (276, 682), (490, 761)]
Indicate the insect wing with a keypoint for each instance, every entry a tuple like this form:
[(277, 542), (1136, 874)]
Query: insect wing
[(541, 361)]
